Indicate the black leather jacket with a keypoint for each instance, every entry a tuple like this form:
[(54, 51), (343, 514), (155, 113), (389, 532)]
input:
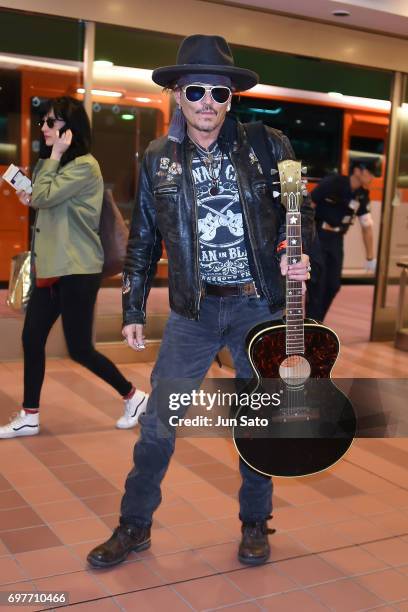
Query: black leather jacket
[(166, 209)]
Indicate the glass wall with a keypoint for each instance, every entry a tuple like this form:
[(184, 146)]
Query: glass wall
[(121, 134), (315, 132), (10, 113), (129, 110)]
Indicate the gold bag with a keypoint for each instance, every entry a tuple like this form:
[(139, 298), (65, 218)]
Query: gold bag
[(20, 282)]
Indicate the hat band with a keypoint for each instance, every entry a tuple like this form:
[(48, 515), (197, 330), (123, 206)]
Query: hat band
[(210, 79)]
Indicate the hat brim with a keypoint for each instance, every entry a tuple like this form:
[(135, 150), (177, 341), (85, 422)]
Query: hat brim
[(242, 78)]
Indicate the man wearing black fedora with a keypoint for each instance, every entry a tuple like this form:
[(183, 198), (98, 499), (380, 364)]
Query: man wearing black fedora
[(202, 192)]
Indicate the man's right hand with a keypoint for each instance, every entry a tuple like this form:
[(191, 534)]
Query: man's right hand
[(134, 336)]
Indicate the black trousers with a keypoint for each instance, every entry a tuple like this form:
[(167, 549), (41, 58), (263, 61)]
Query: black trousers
[(73, 297), (325, 282)]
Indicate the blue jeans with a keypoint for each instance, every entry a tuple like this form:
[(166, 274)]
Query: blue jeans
[(187, 351)]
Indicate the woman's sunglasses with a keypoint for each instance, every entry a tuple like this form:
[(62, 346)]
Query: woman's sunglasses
[(195, 93), (50, 121)]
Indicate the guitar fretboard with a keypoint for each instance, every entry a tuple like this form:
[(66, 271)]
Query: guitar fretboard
[(295, 342), (291, 184)]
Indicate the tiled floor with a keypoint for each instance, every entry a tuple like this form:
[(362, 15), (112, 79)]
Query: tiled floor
[(342, 535)]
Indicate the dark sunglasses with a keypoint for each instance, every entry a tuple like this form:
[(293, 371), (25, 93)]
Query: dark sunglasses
[(195, 93), (50, 121)]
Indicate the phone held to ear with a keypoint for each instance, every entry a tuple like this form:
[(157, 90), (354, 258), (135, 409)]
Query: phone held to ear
[(62, 130)]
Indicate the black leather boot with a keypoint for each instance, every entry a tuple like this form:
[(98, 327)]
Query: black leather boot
[(124, 540), (254, 548)]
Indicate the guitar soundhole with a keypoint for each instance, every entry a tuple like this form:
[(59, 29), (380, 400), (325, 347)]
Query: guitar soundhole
[(294, 370)]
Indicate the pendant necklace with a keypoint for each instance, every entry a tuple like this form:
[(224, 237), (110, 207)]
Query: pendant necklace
[(213, 165)]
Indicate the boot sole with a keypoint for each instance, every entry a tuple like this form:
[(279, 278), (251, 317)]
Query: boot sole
[(253, 560), (101, 564)]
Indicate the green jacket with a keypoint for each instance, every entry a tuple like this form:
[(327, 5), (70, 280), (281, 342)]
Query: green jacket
[(69, 202)]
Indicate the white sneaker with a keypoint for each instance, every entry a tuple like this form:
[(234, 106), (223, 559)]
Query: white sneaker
[(134, 407), (22, 424)]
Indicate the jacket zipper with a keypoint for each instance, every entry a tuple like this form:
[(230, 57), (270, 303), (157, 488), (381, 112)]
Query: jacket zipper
[(243, 206), (189, 160)]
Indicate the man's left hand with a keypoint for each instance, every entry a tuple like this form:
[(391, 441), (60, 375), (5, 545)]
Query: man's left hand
[(299, 271)]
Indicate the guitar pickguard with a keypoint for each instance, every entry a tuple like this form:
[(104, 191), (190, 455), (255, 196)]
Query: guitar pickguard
[(267, 349)]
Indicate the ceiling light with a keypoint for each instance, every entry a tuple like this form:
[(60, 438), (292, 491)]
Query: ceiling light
[(128, 117), (341, 13), (322, 124), (23, 61), (103, 64), (102, 93)]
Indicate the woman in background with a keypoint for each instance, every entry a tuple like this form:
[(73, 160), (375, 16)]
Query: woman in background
[(67, 258)]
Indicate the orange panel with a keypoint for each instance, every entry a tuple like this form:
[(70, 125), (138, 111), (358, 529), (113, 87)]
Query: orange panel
[(10, 244), (13, 226)]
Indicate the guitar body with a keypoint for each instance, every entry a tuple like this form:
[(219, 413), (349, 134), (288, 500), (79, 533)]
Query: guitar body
[(266, 347), (314, 424)]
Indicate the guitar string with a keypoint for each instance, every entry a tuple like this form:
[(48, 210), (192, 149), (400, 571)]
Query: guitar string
[(294, 231)]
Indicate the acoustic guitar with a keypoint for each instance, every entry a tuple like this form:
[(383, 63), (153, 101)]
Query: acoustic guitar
[(310, 424)]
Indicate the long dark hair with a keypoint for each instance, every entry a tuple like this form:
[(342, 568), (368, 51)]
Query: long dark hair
[(73, 113)]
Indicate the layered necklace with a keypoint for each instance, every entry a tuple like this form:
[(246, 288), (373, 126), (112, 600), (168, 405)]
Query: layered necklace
[(213, 163)]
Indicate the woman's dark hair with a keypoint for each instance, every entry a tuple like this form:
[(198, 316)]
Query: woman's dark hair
[(73, 113)]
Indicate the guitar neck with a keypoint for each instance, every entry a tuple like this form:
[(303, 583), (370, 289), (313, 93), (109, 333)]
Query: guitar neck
[(291, 198), (295, 336)]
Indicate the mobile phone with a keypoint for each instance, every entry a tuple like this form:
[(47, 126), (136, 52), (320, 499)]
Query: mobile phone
[(63, 130), (17, 179)]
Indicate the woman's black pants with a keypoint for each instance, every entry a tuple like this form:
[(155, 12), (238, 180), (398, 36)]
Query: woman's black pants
[(73, 297)]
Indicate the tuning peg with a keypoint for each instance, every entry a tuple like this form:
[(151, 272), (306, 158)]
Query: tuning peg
[(304, 169), (274, 171), (275, 194)]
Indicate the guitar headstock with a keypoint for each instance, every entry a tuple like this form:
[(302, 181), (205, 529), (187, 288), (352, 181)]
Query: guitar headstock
[(292, 188)]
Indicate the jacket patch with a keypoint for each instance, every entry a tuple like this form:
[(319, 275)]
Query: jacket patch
[(169, 170), (175, 168)]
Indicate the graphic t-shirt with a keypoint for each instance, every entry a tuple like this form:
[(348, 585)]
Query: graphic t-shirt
[(223, 256)]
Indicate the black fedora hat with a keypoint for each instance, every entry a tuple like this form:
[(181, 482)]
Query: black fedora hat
[(201, 54)]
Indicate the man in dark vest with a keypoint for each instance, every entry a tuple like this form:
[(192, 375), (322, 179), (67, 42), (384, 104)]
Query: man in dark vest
[(338, 200), (203, 193)]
